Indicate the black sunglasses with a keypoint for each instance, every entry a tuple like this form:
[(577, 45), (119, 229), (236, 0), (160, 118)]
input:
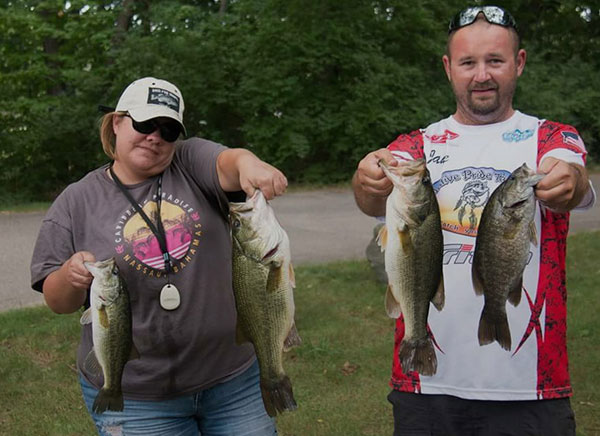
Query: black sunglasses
[(169, 130), (493, 14)]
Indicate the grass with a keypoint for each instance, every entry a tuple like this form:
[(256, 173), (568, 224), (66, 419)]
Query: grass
[(340, 373)]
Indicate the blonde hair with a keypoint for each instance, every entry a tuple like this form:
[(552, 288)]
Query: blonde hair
[(107, 134)]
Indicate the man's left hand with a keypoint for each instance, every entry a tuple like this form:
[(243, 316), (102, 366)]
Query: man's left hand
[(563, 186)]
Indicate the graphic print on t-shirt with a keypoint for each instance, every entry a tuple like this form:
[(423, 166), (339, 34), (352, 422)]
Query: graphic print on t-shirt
[(463, 193), (139, 247)]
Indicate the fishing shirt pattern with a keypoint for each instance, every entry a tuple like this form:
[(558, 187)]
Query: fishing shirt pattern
[(184, 350), (467, 163)]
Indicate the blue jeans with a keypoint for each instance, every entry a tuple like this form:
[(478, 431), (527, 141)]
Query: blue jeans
[(233, 408)]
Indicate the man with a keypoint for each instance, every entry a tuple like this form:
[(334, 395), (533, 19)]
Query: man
[(486, 390)]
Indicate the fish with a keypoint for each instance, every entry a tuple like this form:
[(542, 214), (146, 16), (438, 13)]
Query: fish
[(110, 316), (412, 242), (502, 245), (263, 284)]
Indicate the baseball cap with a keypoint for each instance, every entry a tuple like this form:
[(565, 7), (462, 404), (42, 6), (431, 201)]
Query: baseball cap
[(149, 98)]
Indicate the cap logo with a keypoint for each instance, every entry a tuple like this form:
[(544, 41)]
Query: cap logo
[(164, 98)]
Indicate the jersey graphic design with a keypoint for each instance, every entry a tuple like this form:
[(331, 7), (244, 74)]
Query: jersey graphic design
[(139, 247), (571, 138), (472, 188)]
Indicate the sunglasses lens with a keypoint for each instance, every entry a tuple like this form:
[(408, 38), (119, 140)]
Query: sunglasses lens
[(170, 131), (146, 127), (493, 14)]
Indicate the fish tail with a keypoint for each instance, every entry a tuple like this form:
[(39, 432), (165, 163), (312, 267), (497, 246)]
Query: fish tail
[(278, 396), (418, 356), (108, 400), (494, 327)]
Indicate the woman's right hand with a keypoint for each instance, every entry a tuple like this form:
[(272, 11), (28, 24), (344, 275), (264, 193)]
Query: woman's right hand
[(65, 289), (77, 274)]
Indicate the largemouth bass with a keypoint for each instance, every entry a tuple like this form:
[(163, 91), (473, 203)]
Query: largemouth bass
[(413, 244), (263, 283), (110, 315), (502, 250)]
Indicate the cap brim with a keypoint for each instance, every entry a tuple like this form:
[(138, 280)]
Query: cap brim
[(105, 109)]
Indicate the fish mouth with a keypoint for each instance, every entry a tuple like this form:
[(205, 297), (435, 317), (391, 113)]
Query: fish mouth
[(271, 252)]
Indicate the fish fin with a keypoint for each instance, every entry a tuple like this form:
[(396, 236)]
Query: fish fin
[(240, 336), (292, 276), (533, 234), (275, 278), (108, 400), (382, 237), (477, 285), (277, 395), (92, 365), (439, 297), (458, 203), (392, 307), (86, 317), (405, 240), (510, 232), (418, 356), (494, 328), (292, 340), (514, 296), (103, 317)]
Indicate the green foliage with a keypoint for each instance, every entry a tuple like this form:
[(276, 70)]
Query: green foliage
[(309, 87)]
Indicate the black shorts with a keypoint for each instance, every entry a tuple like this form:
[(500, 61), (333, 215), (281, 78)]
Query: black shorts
[(445, 415)]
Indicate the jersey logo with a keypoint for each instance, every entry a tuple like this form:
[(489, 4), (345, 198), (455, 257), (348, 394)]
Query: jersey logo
[(517, 135), (443, 138)]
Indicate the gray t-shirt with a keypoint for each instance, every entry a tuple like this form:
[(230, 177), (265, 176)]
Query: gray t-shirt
[(184, 350)]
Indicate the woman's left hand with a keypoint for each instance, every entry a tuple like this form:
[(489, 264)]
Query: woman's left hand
[(241, 169)]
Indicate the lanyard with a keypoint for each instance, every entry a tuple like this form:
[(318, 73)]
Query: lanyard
[(158, 229)]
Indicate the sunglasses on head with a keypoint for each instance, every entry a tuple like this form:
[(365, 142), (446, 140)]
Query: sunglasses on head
[(493, 14), (169, 130)]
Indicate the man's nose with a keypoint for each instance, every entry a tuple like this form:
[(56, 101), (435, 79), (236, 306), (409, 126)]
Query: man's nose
[(482, 73)]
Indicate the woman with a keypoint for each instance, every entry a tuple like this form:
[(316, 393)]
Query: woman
[(190, 376)]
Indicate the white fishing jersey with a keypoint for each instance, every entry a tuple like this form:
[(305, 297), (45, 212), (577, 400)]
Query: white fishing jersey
[(467, 163)]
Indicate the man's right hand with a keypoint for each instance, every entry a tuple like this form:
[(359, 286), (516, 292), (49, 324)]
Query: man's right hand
[(370, 177), (371, 186)]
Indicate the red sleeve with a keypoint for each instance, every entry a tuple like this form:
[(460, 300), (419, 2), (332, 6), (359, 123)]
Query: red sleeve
[(554, 135), (411, 143)]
